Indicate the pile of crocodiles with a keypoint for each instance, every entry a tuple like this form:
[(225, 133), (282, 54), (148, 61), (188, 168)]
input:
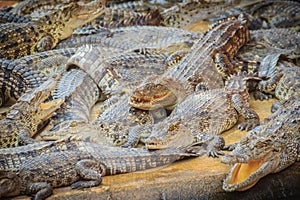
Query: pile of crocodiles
[(163, 92)]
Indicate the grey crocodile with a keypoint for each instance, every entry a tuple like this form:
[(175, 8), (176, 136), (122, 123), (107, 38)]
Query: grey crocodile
[(80, 167), (205, 62), (129, 38), (203, 116), (267, 149), (115, 75)]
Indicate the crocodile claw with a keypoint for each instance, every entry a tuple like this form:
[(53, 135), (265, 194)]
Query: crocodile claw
[(230, 147), (258, 95), (214, 153), (248, 124)]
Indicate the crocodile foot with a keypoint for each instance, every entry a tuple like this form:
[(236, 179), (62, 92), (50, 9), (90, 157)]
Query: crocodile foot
[(230, 147), (248, 124), (258, 95)]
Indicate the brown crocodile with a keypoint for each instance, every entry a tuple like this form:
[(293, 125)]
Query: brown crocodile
[(204, 115), (267, 149), (81, 166), (110, 72), (197, 66), (21, 39), (28, 115)]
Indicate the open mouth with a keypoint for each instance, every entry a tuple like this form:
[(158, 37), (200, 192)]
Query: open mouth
[(156, 145), (243, 176), (147, 103)]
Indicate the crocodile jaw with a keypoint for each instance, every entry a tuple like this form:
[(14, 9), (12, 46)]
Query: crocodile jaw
[(82, 15), (165, 100), (243, 176)]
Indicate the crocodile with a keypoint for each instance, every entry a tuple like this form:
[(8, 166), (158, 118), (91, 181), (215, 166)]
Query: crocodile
[(185, 13), (115, 75), (27, 7), (281, 77), (280, 14), (203, 116), (12, 158), (28, 115), (7, 17), (21, 39), (18, 76), (136, 37), (204, 62), (116, 70), (80, 167), (271, 41), (80, 93), (262, 53), (113, 18), (266, 149)]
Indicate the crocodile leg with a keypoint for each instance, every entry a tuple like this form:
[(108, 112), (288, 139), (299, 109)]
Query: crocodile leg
[(88, 170), (251, 119), (223, 65), (42, 190), (213, 143)]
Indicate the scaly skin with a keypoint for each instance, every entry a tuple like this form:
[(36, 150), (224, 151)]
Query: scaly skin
[(8, 17), (264, 54), (12, 158), (136, 37), (17, 76), (281, 77), (184, 14), (115, 75), (112, 72), (16, 79), (277, 13), (29, 6), (81, 94), (21, 39), (28, 115), (204, 115), (198, 66), (81, 166), (287, 86), (114, 18), (267, 149)]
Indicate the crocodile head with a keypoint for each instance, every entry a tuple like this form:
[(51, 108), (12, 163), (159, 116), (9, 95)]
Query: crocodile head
[(69, 17), (157, 93), (28, 114), (169, 135), (9, 184), (263, 151)]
